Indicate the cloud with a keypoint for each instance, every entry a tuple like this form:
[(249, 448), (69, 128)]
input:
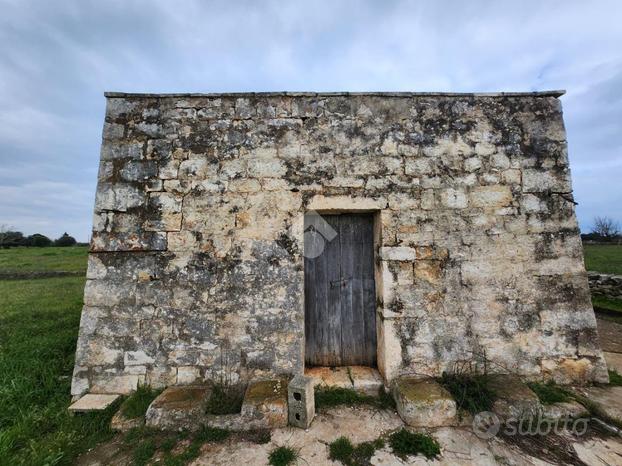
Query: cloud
[(57, 58)]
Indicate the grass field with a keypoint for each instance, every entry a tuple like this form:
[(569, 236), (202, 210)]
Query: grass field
[(604, 259), (38, 326), (53, 259)]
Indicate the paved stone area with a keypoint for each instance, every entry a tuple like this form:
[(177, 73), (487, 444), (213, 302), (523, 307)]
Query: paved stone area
[(459, 445)]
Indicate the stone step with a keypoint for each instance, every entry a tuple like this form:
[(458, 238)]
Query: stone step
[(184, 407), (514, 399), (423, 402), (178, 407), (93, 402), (363, 379)]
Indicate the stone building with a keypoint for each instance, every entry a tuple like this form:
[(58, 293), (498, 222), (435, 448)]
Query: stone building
[(239, 236)]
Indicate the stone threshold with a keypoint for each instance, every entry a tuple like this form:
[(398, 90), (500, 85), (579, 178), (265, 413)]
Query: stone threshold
[(362, 379)]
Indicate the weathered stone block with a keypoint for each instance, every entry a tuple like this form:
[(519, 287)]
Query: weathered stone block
[(398, 253), (423, 402), (266, 400), (514, 399), (178, 407), (301, 401)]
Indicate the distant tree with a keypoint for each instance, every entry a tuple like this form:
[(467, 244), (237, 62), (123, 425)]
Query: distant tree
[(606, 227), (10, 238), (65, 240), (38, 240)]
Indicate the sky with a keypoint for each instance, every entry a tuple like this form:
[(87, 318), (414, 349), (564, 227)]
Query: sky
[(57, 59)]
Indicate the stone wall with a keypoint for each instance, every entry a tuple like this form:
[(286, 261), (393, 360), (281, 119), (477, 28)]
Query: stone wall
[(602, 284), (196, 266)]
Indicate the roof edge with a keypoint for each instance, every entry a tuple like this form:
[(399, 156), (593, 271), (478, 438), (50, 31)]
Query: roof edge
[(551, 93)]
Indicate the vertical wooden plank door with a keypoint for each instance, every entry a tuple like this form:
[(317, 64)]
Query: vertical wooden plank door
[(340, 294)]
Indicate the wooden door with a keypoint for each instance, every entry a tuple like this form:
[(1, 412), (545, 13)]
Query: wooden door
[(340, 294)]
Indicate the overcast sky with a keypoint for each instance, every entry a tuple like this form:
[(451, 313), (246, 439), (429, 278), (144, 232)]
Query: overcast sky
[(58, 57)]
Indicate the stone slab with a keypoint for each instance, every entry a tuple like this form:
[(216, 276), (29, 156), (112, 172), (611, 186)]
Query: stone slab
[(569, 409), (424, 402), (93, 402), (362, 379), (367, 380), (607, 400), (515, 400), (266, 400), (178, 407)]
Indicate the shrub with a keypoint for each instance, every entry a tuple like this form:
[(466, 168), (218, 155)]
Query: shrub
[(471, 391), (225, 399), (282, 456), (406, 443), (65, 240), (38, 240)]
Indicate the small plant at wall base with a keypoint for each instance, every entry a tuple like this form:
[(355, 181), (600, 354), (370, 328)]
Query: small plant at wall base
[(137, 403), (225, 399), (615, 379), (283, 456), (405, 443), (549, 392), (471, 391)]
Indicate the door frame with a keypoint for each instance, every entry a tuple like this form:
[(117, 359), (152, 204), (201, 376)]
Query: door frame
[(348, 205)]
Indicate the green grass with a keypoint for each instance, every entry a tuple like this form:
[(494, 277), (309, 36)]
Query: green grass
[(328, 397), (603, 258), (283, 456), (615, 379), (137, 403), (143, 452), (607, 303), (38, 327), (52, 259), (342, 450), (549, 392), (405, 443), (471, 391)]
